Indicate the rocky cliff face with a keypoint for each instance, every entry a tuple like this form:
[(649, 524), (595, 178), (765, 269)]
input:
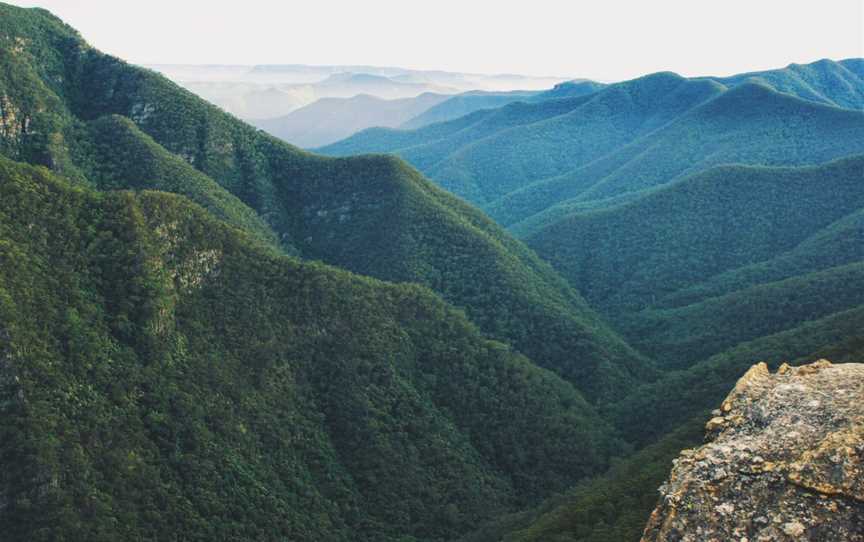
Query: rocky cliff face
[(784, 460)]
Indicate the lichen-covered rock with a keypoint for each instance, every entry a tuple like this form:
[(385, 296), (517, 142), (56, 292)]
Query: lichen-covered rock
[(784, 461)]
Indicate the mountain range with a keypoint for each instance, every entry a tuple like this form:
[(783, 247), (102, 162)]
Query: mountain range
[(119, 302), (329, 120), (208, 333), (712, 222), (272, 91), (528, 164)]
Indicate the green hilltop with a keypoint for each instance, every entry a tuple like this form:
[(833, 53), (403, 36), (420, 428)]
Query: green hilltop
[(464, 104), (557, 156), (726, 218)]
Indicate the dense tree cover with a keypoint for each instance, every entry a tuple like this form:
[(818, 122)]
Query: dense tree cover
[(115, 154), (631, 136), (838, 244), (720, 258), (709, 275), (164, 373), (464, 104), (508, 159), (749, 124), (724, 268), (172, 367), (393, 224), (118, 126), (609, 508), (656, 407), (568, 89), (699, 330), (427, 146), (662, 418), (730, 217), (155, 359), (833, 83)]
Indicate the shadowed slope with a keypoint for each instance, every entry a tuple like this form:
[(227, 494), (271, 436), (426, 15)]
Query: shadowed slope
[(299, 196)]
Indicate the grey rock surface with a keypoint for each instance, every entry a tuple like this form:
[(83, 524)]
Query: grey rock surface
[(783, 460)]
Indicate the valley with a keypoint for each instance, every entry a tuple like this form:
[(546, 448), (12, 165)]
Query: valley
[(480, 308)]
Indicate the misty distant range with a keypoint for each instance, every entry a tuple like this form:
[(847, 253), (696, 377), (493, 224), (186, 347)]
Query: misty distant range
[(311, 106), (314, 107)]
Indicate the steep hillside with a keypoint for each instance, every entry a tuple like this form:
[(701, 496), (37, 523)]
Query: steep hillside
[(161, 372), (427, 146), (655, 408), (729, 266), (720, 260), (376, 216), (749, 124), (835, 245), (483, 157), (463, 104), (568, 89), (609, 508), (664, 418), (114, 154), (174, 361), (833, 83), (313, 205), (699, 330), (630, 136), (612, 117), (726, 218), (382, 140), (331, 119)]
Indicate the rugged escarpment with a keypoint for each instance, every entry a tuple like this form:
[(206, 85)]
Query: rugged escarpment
[(784, 461)]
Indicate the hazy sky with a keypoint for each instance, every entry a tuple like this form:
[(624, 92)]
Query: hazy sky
[(602, 39)]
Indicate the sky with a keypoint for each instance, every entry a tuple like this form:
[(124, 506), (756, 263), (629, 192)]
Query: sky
[(606, 40)]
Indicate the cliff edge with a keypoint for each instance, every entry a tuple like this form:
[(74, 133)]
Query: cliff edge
[(784, 460)]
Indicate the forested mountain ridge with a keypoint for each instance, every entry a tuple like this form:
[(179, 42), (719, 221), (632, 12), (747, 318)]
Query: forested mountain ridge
[(163, 373), (722, 219), (57, 83), (539, 168), (464, 104), (749, 124), (717, 270), (601, 123), (734, 256), (173, 361), (840, 83)]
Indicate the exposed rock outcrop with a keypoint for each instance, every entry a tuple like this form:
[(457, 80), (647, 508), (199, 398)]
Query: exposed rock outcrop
[(784, 461)]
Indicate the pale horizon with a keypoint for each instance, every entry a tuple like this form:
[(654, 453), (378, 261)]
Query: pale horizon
[(606, 42)]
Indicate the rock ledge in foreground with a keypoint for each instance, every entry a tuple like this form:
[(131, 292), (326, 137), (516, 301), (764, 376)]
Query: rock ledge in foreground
[(784, 460)]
